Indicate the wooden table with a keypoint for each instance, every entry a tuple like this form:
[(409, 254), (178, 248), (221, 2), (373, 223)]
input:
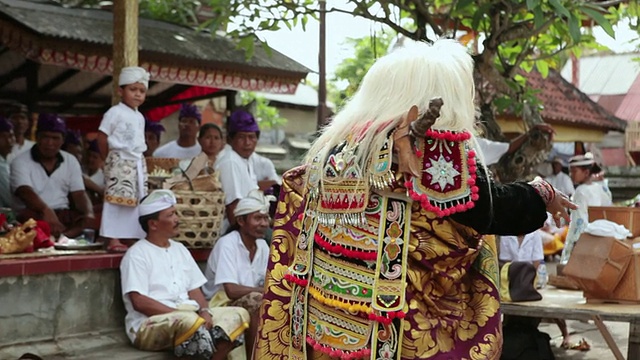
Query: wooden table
[(569, 304)]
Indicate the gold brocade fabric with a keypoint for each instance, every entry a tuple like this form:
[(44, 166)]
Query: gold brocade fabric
[(452, 298)]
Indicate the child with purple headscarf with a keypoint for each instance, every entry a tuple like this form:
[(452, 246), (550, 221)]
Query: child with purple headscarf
[(185, 147), (152, 132), (121, 143)]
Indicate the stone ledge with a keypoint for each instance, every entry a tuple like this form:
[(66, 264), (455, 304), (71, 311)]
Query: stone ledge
[(67, 263)]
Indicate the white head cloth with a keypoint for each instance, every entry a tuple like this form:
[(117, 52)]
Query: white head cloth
[(158, 200), (132, 75), (254, 201), (582, 160)]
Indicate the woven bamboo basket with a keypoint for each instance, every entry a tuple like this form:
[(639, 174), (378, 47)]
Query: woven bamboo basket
[(166, 164), (201, 214)]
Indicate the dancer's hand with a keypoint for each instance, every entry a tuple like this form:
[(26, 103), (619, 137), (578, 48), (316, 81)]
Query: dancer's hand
[(559, 207)]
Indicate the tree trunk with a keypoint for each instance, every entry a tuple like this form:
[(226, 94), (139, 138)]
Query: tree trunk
[(520, 164)]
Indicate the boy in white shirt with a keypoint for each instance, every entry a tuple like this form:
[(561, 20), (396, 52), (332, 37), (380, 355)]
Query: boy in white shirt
[(121, 142)]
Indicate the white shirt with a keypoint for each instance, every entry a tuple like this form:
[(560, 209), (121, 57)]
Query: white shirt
[(593, 194), (53, 189), (5, 190), (173, 150), (586, 195), (229, 263), (163, 274), (124, 128), (264, 168), (562, 182), (98, 177), (492, 151), (238, 175), (19, 149), (529, 250)]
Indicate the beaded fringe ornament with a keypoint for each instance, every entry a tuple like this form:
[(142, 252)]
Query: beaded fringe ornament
[(448, 182), (343, 191), (380, 174)]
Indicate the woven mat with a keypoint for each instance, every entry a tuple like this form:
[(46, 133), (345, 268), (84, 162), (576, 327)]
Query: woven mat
[(50, 252)]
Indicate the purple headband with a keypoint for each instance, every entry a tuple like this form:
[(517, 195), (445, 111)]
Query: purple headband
[(93, 146), (153, 127), (52, 123), (5, 125), (242, 121), (72, 138), (190, 111)]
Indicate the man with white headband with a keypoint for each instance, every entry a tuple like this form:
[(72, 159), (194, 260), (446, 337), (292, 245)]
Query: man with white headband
[(237, 265), (122, 144), (161, 292)]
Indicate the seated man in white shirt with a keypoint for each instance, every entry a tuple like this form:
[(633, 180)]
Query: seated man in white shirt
[(559, 179), (187, 146), (19, 117), (161, 292), (45, 177), (527, 248), (237, 265), (241, 169)]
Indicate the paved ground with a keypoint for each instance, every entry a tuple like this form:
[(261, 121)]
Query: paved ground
[(589, 331), (599, 349), (115, 346)]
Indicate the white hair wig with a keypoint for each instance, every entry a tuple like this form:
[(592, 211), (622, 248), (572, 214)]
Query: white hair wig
[(410, 75)]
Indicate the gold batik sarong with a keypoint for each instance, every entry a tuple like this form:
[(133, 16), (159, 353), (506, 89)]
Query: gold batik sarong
[(125, 179), (251, 301), (163, 332)]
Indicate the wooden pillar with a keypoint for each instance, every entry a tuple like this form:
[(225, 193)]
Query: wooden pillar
[(231, 101), (125, 39), (322, 86)]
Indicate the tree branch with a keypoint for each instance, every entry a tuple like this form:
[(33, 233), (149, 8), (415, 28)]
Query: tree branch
[(397, 28), (423, 10), (521, 30)]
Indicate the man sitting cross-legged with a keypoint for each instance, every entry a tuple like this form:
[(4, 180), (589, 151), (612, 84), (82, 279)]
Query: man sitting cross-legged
[(237, 264), (161, 291)]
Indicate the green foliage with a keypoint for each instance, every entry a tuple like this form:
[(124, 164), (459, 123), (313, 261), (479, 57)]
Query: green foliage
[(515, 35), (268, 117), (184, 12), (366, 51)]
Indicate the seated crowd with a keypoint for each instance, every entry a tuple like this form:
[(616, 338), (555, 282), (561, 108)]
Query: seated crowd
[(60, 178), (171, 305)]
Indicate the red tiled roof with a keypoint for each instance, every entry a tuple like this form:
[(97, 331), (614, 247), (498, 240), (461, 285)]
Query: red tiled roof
[(565, 104), (629, 108)]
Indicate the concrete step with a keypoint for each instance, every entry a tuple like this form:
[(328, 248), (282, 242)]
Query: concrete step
[(104, 346)]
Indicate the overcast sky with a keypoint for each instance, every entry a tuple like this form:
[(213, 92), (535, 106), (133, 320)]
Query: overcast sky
[(302, 46)]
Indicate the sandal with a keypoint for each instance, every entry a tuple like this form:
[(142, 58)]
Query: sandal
[(582, 345)]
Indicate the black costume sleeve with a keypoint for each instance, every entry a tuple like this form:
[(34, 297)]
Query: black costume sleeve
[(508, 209)]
